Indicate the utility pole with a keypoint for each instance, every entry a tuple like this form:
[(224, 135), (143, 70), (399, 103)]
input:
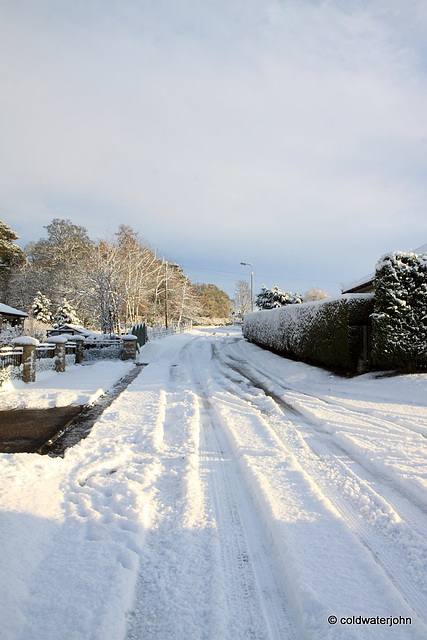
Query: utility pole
[(248, 264)]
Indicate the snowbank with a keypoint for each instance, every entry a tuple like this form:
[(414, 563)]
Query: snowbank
[(78, 385)]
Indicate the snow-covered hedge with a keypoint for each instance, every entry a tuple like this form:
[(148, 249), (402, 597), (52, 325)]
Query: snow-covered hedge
[(330, 333), (399, 324)]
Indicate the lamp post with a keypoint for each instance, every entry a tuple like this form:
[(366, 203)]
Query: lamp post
[(166, 293), (249, 264)]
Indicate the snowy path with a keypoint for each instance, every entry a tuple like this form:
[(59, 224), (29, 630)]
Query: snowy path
[(219, 571), (226, 494)]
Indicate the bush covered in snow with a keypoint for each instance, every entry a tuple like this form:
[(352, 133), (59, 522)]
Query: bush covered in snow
[(274, 298), (8, 333), (329, 333), (399, 324)]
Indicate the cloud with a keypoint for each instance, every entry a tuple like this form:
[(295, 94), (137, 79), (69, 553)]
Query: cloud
[(223, 124)]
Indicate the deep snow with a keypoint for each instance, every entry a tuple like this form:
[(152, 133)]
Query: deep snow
[(226, 493)]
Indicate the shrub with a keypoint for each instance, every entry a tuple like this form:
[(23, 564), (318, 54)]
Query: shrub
[(399, 323)]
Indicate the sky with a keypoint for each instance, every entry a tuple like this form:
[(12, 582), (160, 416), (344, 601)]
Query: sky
[(289, 134)]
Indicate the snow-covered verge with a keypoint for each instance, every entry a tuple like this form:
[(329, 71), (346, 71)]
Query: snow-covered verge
[(79, 384), (227, 493)]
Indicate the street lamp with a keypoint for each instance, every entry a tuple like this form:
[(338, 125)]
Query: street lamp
[(166, 292), (249, 264)]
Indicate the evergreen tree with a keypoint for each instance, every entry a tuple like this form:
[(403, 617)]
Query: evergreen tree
[(273, 298), (65, 314), (10, 256), (400, 318), (264, 299), (41, 308)]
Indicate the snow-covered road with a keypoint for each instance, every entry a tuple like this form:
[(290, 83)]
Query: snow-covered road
[(228, 493)]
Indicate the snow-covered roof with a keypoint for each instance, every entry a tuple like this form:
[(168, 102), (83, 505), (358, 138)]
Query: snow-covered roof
[(421, 250), (357, 284), (5, 309), (365, 281), (72, 327)]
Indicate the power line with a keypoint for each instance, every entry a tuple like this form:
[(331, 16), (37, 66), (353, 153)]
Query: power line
[(234, 273), (257, 275)]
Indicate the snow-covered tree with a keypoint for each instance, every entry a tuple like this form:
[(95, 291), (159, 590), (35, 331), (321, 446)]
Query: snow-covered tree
[(106, 293), (272, 298), (58, 265), (7, 333), (400, 318), (11, 255), (41, 308), (264, 299), (139, 268), (66, 314)]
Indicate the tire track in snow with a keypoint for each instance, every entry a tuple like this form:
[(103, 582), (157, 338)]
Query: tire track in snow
[(413, 508), (338, 405), (354, 490), (173, 592), (256, 602)]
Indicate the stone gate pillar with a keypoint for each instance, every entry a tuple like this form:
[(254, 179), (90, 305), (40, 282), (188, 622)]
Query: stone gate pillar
[(28, 356), (59, 342), (129, 347), (79, 340)]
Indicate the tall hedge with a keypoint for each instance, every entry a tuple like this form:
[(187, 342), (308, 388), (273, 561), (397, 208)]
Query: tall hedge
[(399, 323), (330, 333)]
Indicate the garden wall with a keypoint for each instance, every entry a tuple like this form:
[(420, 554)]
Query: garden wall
[(334, 333)]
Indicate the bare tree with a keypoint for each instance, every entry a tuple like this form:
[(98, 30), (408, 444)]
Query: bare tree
[(175, 296), (242, 298), (139, 266), (105, 292), (315, 294)]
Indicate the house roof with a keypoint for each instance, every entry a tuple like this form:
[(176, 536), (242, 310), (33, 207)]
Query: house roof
[(367, 282), (71, 327), (5, 310)]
